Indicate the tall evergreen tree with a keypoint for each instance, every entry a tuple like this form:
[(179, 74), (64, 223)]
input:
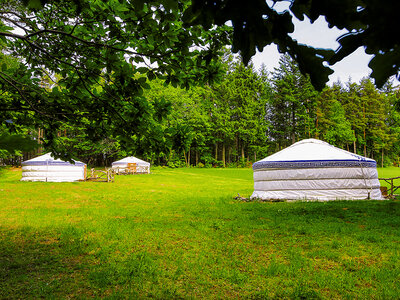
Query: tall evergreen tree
[(291, 110), (331, 123)]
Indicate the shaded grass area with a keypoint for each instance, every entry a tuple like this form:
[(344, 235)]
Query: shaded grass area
[(179, 234)]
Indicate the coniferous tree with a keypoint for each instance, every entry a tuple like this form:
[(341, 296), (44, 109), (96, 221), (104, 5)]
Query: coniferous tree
[(291, 109), (331, 123)]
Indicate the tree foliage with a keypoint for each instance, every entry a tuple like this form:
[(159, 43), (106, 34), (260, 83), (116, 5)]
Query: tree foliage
[(86, 63), (370, 24), (81, 67)]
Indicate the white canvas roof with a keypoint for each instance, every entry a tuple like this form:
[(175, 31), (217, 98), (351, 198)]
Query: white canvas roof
[(313, 169), (130, 159), (48, 159), (313, 150)]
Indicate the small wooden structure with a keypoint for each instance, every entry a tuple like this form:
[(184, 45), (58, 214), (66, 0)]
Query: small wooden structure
[(389, 192), (106, 175), (131, 168)]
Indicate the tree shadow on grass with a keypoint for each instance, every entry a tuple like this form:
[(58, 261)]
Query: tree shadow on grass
[(61, 263), (321, 218), (36, 264)]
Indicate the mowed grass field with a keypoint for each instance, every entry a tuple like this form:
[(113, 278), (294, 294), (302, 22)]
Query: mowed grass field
[(178, 233)]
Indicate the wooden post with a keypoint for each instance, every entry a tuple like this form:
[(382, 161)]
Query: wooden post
[(391, 187)]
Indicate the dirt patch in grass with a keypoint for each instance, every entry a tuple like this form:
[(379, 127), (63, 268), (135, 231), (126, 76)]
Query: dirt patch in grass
[(323, 264), (49, 241)]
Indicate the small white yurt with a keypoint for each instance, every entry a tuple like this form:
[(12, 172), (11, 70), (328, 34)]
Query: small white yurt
[(141, 166), (47, 168), (313, 169)]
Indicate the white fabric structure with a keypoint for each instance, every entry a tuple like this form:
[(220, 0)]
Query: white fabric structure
[(46, 168), (141, 165), (313, 169)]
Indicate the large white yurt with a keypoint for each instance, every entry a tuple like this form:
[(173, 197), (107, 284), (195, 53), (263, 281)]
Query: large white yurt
[(47, 168), (313, 169), (141, 166)]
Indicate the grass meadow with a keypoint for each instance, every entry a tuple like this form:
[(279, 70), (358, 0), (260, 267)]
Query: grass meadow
[(179, 234)]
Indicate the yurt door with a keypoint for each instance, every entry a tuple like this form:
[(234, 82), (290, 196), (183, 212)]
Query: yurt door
[(131, 168)]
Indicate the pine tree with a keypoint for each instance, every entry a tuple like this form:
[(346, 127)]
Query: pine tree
[(291, 109), (331, 123)]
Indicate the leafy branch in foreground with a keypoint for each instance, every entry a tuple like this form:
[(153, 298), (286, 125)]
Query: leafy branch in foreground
[(96, 57), (256, 23)]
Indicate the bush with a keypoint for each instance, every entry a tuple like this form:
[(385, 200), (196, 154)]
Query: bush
[(218, 164), (249, 164), (170, 164)]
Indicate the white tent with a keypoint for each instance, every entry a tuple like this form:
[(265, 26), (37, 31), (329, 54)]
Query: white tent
[(313, 169), (141, 165), (46, 168)]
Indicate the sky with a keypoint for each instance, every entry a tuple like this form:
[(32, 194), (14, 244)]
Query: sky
[(318, 34)]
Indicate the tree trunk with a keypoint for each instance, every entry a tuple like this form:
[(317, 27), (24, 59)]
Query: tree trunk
[(308, 122), (355, 148), (255, 156), (382, 157), (197, 157), (237, 148), (223, 154), (216, 151), (293, 125), (188, 161), (40, 142), (242, 152), (365, 139), (184, 154)]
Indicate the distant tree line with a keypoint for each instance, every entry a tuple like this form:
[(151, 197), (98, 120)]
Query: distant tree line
[(247, 115)]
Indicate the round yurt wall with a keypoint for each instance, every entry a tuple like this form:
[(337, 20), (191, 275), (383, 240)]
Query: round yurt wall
[(46, 168), (313, 169)]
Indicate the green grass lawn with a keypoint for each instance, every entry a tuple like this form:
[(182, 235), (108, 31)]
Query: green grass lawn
[(178, 233)]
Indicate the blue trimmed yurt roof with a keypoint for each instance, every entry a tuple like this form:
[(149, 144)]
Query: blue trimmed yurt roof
[(313, 153)]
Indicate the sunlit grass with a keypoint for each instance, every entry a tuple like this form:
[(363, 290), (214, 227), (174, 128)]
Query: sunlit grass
[(180, 234)]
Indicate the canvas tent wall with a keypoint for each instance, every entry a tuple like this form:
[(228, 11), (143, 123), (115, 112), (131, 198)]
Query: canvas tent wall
[(141, 165), (47, 168), (313, 169)]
